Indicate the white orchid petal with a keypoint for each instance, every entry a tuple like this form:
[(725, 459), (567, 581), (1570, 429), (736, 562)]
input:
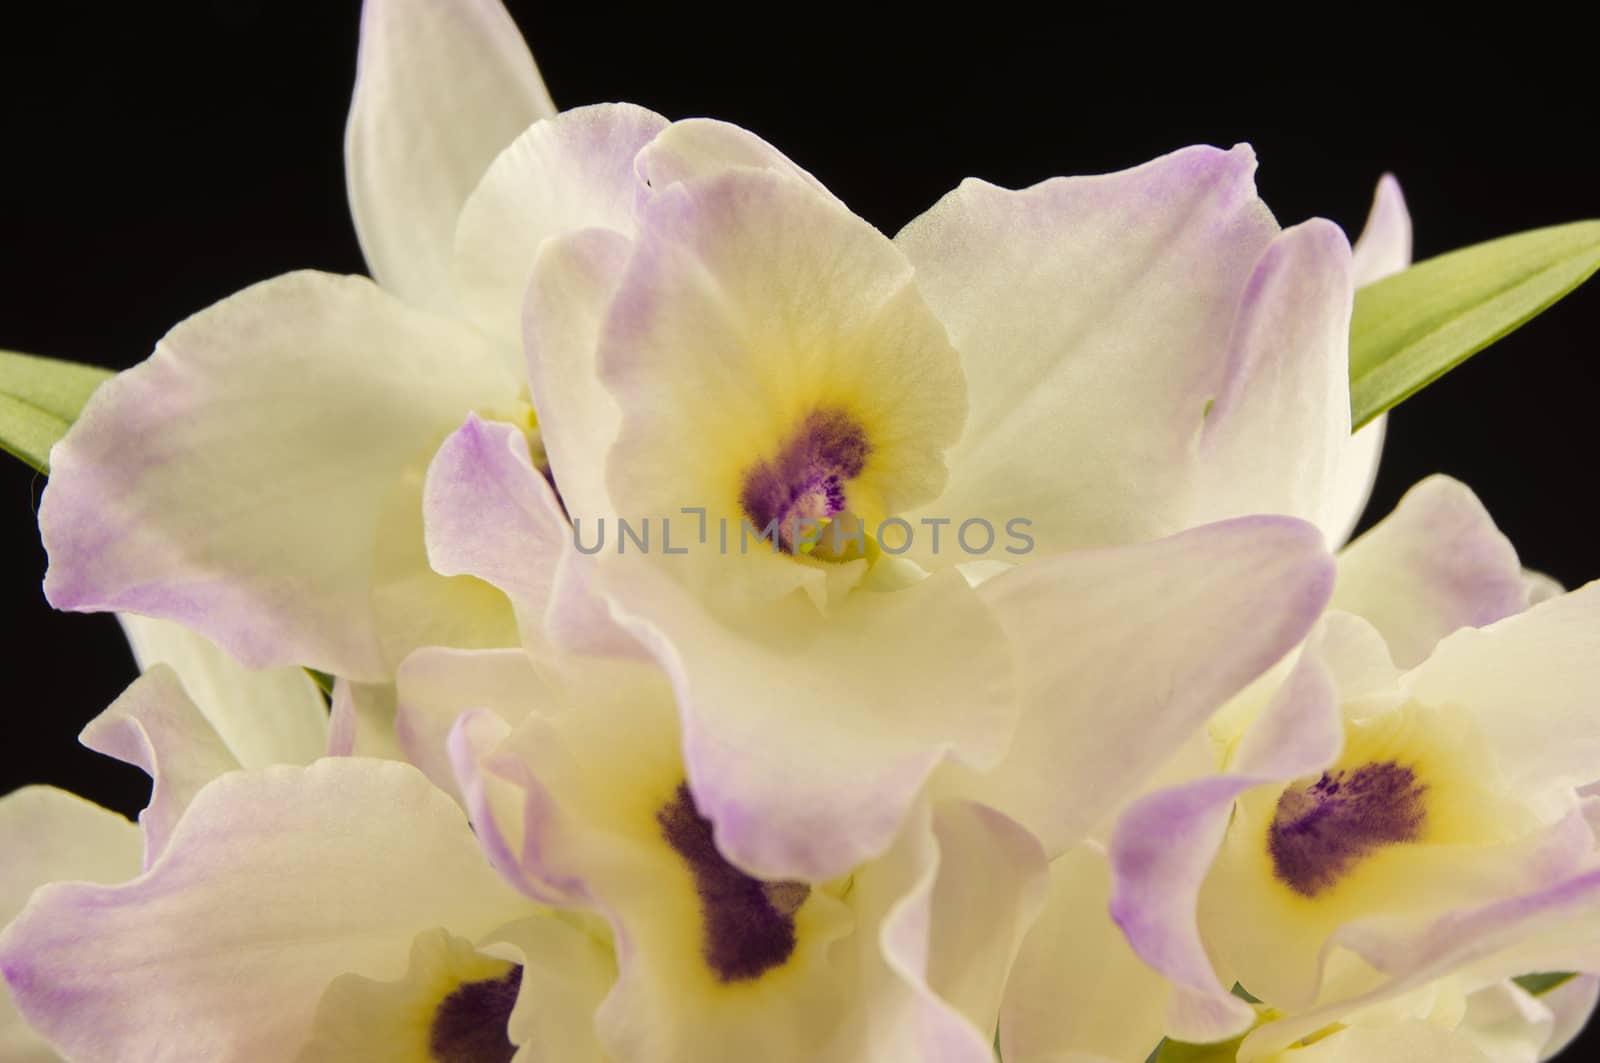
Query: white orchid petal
[(1130, 649), (703, 147), (49, 835), (264, 716), (575, 171), (234, 481), (153, 725), (575, 277), (1077, 988), (1437, 563), (275, 882), (441, 87), (1530, 682), (1092, 315), (1384, 246), (1280, 424)]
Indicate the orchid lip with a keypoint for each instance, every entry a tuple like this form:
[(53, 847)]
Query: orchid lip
[(748, 924), (808, 479), (1321, 831), (470, 1024)]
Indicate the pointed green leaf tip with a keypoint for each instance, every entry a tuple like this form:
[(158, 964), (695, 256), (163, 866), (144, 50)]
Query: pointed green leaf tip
[(1540, 984), (39, 400), (1412, 328)]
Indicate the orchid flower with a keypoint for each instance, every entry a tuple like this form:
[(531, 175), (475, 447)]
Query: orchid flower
[(1399, 803), (1105, 1005), (573, 775), (746, 350)]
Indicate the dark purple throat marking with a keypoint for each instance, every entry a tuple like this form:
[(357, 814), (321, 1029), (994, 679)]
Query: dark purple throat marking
[(470, 1025), (748, 924), (807, 479), (1319, 832)]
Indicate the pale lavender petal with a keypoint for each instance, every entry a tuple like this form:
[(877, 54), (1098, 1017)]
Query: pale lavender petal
[(233, 482), (1131, 649), (49, 835), (1164, 845), (574, 171), (496, 806), (865, 692), (436, 685), (1092, 315), (1279, 420), (1437, 563), (275, 882), (155, 727), (441, 87), (489, 513), (579, 619)]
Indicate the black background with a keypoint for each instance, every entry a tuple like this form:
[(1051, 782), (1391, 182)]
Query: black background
[(152, 163)]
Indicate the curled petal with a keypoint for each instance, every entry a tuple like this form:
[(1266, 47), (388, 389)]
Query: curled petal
[(263, 716), (490, 514), (1165, 843), (972, 885), (865, 691), (1437, 563), (154, 726), (1279, 424)]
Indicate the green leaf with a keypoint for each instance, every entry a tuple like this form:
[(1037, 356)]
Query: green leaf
[(1170, 1051), (39, 400), (323, 680), (1412, 328), (1539, 984)]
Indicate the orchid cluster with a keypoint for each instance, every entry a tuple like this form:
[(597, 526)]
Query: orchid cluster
[(751, 637)]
